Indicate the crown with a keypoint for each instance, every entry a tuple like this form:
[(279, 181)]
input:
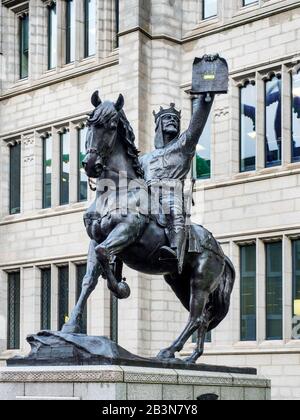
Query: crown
[(172, 110)]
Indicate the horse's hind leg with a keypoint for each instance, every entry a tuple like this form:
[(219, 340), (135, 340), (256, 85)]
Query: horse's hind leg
[(199, 350), (205, 279)]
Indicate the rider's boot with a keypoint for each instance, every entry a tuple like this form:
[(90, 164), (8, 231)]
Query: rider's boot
[(175, 252)]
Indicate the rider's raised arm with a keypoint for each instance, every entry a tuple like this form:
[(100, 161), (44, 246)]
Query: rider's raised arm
[(198, 121)]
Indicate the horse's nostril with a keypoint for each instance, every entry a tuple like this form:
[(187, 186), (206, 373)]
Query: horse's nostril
[(84, 164)]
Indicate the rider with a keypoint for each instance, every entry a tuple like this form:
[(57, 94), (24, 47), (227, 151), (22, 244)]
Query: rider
[(172, 160)]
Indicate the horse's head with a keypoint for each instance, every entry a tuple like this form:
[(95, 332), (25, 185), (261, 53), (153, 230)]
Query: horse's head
[(101, 135)]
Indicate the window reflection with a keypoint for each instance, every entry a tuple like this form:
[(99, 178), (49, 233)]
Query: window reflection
[(70, 31), (273, 121), (90, 27), (248, 292), (64, 167), (203, 151), (83, 185), (47, 172), (248, 127), (24, 46), (274, 291), (52, 37), (210, 8), (296, 118)]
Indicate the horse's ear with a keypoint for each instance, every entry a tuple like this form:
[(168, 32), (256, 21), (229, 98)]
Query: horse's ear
[(96, 101), (120, 102)]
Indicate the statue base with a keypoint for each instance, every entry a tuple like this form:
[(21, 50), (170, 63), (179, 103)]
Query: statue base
[(125, 383), (60, 349), (78, 367)]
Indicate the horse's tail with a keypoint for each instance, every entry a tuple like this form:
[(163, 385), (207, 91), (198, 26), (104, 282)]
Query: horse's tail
[(219, 302)]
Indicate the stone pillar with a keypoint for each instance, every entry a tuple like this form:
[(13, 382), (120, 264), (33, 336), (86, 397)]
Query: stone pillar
[(38, 169), (260, 124), (30, 304), (38, 39), (61, 33), (54, 297), (28, 172), (73, 164), (286, 116)]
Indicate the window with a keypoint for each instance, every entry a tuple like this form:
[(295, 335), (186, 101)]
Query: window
[(273, 123), (209, 8), (81, 271), (15, 179), (248, 292), (46, 299), (203, 151), (296, 117), (117, 22), (296, 278), (248, 128), (63, 296), (248, 2), (13, 318), (274, 291), (52, 37), (82, 178), (64, 167), (24, 46), (70, 31), (90, 28), (114, 312), (47, 171)]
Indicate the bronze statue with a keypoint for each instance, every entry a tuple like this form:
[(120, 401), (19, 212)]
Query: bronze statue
[(202, 277)]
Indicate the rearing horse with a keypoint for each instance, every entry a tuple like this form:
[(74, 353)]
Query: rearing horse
[(205, 285)]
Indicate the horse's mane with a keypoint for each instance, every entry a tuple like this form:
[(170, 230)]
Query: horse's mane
[(129, 139)]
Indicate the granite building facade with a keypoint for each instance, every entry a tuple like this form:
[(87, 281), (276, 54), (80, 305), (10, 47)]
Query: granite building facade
[(54, 54)]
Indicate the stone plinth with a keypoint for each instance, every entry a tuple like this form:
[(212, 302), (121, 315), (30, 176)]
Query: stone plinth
[(127, 383)]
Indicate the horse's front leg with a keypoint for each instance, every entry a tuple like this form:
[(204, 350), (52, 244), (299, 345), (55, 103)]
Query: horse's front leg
[(90, 281), (122, 236)]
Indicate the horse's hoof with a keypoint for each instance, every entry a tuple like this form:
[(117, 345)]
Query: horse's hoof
[(166, 355), (71, 329), (123, 291), (192, 360)]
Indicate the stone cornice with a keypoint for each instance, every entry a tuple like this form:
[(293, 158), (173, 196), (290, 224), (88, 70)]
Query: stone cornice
[(17, 6), (59, 77), (203, 31)]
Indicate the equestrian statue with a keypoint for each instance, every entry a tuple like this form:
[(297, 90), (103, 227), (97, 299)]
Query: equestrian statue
[(163, 241)]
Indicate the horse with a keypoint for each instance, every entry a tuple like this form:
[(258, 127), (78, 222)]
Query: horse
[(205, 285)]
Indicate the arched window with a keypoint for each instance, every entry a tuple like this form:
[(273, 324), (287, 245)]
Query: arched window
[(296, 117), (273, 122), (248, 127)]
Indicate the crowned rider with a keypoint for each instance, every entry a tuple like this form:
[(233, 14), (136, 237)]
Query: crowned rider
[(172, 160)]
